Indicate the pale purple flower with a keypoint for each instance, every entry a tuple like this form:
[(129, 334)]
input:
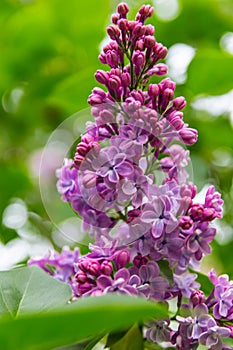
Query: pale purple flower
[(59, 265), (111, 165), (152, 285), (224, 302), (198, 241), (212, 337), (185, 283), (158, 331), (159, 216), (120, 283), (213, 200), (67, 184), (198, 322)]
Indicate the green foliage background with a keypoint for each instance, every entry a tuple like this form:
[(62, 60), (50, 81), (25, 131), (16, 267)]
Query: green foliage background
[(49, 53)]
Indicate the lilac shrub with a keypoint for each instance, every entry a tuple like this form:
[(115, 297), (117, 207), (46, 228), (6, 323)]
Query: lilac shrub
[(128, 181)]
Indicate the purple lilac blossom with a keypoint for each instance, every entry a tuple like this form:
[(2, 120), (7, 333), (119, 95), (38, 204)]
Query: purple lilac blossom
[(113, 183)]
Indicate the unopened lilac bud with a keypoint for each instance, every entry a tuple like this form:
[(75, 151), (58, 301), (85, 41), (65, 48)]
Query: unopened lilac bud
[(138, 31), (115, 18), (139, 45), (102, 58), (101, 76), (167, 96), (138, 58), (160, 51), (144, 12), (185, 222), (123, 24), (209, 214), (132, 214), (94, 268), (122, 258), (179, 103), (176, 120), (106, 268), (125, 79), (81, 277), (89, 180), (149, 30), (114, 83), (167, 84), (196, 211), (78, 159), (153, 90), (140, 260), (197, 297), (113, 32), (149, 41), (82, 148), (188, 136), (112, 58), (123, 9), (160, 69)]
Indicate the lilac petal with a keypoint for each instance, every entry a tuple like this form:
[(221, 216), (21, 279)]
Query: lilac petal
[(125, 168), (129, 188), (157, 228), (201, 309), (144, 273), (113, 176), (134, 280), (119, 159), (99, 161), (112, 152), (103, 282), (148, 216), (153, 269), (122, 273), (212, 340), (203, 338), (223, 308), (224, 332), (130, 290)]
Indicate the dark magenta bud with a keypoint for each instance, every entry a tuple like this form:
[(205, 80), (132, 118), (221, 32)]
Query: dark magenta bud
[(81, 277), (197, 297), (106, 268), (179, 103), (140, 260), (188, 136), (122, 258), (149, 41), (113, 32), (123, 9), (185, 222), (196, 211)]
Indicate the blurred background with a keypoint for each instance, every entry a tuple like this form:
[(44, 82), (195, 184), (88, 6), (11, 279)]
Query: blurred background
[(49, 53)]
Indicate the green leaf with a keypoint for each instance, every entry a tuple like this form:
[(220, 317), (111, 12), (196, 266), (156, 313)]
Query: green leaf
[(209, 72), (88, 317), (131, 341), (30, 289), (206, 285)]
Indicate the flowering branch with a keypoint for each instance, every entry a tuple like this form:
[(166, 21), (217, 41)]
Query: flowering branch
[(128, 182)]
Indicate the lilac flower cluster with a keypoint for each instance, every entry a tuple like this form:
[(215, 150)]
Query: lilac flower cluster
[(128, 183)]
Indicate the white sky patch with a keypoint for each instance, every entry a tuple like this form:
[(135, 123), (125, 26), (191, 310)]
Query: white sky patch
[(166, 10), (178, 59), (226, 42), (216, 105)]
